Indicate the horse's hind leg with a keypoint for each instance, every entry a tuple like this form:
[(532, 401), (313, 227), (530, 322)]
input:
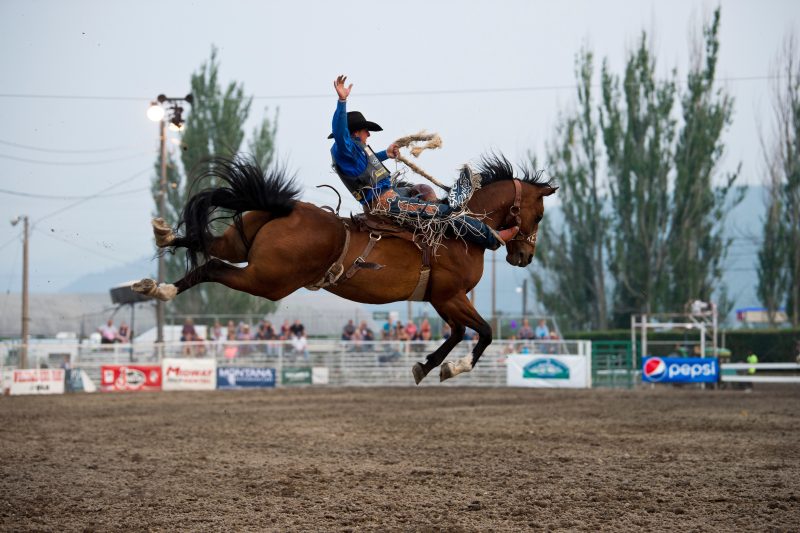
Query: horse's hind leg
[(228, 246), (420, 370), (162, 232), (245, 279)]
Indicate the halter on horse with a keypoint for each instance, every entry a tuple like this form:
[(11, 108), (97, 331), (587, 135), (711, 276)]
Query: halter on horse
[(288, 244)]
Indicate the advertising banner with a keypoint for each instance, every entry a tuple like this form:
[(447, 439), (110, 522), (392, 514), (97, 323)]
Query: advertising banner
[(548, 371), (189, 374), (296, 376), (37, 381), (320, 375), (680, 370), (233, 377), (117, 378)]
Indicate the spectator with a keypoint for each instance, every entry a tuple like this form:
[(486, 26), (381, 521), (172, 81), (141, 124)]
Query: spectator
[(411, 330), (425, 333), (365, 335), (542, 331), (265, 331), (297, 329), (216, 332), (364, 332), (349, 331), (231, 331), (243, 332), (189, 337), (284, 334), (124, 333), (400, 332), (108, 333), (215, 336), (525, 331), (300, 345), (188, 333), (752, 359)]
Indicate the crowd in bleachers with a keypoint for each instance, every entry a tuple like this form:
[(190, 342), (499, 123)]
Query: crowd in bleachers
[(290, 338)]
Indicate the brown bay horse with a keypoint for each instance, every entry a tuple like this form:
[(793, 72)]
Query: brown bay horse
[(288, 244)]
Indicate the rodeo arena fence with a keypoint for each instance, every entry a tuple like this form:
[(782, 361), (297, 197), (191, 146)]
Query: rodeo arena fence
[(58, 368), (84, 367)]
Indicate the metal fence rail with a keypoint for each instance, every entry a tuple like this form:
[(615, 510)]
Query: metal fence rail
[(366, 363)]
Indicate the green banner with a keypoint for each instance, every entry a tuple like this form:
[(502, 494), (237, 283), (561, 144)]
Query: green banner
[(296, 376)]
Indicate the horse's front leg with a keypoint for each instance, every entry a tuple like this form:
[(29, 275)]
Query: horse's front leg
[(420, 370), (464, 313)]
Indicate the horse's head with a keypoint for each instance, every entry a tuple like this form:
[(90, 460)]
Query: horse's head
[(531, 211), (521, 203)]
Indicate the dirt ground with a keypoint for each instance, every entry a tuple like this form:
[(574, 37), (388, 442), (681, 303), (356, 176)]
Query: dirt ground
[(431, 459)]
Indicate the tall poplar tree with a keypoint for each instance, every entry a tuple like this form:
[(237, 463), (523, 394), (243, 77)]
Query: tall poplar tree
[(214, 127), (779, 257), (574, 289), (697, 244), (638, 132)]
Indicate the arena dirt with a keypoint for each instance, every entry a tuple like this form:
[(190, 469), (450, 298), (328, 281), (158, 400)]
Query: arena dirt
[(431, 459)]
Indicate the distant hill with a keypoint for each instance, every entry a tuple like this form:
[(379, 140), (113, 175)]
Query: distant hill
[(98, 282)]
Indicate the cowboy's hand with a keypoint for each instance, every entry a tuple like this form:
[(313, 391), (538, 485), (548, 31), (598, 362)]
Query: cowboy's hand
[(393, 151), (341, 90)]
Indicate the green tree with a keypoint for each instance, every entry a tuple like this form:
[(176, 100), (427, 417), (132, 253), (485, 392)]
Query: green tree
[(574, 289), (779, 257), (638, 132), (771, 271), (214, 126), (697, 244)]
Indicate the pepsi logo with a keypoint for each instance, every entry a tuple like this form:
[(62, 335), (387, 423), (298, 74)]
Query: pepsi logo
[(655, 369)]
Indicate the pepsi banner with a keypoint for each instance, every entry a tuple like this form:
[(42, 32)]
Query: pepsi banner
[(680, 370), (234, 377)]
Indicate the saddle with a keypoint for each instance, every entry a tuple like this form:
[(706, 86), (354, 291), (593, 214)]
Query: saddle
[(378, 227)]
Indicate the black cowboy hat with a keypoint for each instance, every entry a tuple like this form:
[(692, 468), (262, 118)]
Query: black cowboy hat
[(356, 121)]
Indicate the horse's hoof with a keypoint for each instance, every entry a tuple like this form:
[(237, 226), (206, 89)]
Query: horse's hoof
[(163, 233), (447, 370), (167, 291), (419, 372), (146, 286)]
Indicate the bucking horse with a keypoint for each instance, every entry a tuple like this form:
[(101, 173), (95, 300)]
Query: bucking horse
[(288, 244)]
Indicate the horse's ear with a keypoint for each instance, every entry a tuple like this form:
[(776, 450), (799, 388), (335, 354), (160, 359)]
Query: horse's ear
[(547, 191)]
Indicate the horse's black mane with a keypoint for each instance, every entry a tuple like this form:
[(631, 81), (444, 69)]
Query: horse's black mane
[(495, 167)]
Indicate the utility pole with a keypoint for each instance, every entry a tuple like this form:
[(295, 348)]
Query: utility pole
[(23, 353), (494, 291), (524, 298), (162, 212), (156, 113)]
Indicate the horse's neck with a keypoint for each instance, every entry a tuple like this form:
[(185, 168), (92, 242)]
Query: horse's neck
[(493, 201)]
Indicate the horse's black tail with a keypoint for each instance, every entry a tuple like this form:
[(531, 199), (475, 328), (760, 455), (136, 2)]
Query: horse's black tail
[(246, 188)]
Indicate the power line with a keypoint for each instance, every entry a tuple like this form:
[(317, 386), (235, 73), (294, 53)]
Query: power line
[(97, 194), (62, 197), (531, 88), (84, 248), (73, 163), (60, 151), (17, 236)]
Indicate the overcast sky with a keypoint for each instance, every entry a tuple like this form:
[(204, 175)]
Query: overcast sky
[(77, 78)]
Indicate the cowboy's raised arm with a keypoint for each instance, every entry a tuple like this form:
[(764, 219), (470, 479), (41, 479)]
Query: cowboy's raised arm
[(341, 134)]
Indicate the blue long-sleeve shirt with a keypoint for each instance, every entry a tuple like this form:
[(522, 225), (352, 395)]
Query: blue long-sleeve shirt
[(349, 157)]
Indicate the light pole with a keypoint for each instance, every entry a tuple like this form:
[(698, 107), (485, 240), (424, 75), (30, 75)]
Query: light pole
[(23, 354), (156, 113)]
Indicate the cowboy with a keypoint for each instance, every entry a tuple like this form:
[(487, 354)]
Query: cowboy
[(363, 173)]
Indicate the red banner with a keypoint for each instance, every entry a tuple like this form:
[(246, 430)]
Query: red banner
[(130, 378)]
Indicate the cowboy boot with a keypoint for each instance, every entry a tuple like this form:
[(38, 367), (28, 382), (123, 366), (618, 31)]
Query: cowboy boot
[(503, 236), (462, 189)]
